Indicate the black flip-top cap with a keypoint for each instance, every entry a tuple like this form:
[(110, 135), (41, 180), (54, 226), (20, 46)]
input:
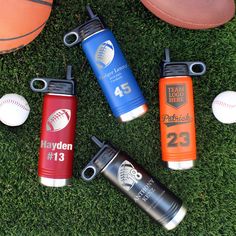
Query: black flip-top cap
[(106, 153), (56, 86), (85, 30), (186, 68)]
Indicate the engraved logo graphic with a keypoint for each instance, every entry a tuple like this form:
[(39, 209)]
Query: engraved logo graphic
[(176, 119), (128, 175), (105, 54), (176, 95), (58, 120)]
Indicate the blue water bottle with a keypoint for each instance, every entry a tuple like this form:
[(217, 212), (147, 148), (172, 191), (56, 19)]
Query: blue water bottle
[(110, 67)]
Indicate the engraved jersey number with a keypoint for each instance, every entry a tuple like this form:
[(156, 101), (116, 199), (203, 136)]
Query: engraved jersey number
[(174, 142)]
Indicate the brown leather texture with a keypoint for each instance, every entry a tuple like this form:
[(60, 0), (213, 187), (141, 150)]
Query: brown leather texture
[(192, 14)]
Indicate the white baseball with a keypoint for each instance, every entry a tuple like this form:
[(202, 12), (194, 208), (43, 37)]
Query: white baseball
[(224, 107), (14, 109)]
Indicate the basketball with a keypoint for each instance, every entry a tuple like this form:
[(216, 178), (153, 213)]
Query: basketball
[(21, 22)]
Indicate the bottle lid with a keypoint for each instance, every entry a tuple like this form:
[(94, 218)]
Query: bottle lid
[(56, 86), (106, 153), (85, 30), (185, 68)]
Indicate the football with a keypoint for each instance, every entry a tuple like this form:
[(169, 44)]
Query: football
[(124, 175), (58, 120), (192, 14), (105, 54)]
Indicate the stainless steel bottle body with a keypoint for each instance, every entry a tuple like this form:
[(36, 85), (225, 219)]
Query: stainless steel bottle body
[(136, 183), (147, 192)]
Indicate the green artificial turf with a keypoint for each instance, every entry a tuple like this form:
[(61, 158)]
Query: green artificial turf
[(96, 208)]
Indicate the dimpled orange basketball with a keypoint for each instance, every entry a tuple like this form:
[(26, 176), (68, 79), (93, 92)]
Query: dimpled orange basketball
[(21, 21)]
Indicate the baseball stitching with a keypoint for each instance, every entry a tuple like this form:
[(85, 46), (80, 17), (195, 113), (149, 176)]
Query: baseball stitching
[(15, 103), (223, 104)]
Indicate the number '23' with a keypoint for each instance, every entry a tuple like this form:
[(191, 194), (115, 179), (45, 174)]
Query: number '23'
[(174, 139)]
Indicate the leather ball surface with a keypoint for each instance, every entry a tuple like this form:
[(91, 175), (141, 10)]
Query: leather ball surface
[(192, 14)]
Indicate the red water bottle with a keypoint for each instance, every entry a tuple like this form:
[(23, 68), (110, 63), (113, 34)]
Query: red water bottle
[(57, 131)]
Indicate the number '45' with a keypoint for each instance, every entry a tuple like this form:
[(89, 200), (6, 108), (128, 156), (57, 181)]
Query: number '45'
[(122, 90)]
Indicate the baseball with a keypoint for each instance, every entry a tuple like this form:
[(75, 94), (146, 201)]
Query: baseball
[(224, 107), (14, 109)]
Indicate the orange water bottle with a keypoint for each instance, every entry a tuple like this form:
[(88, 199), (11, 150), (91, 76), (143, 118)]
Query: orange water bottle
[(177, 121)]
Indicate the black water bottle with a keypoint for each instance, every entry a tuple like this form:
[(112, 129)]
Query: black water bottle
[(128, 176)]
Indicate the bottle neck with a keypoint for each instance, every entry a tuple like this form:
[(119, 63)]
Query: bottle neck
[(90, 28), (90, 36), (100, 161)]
